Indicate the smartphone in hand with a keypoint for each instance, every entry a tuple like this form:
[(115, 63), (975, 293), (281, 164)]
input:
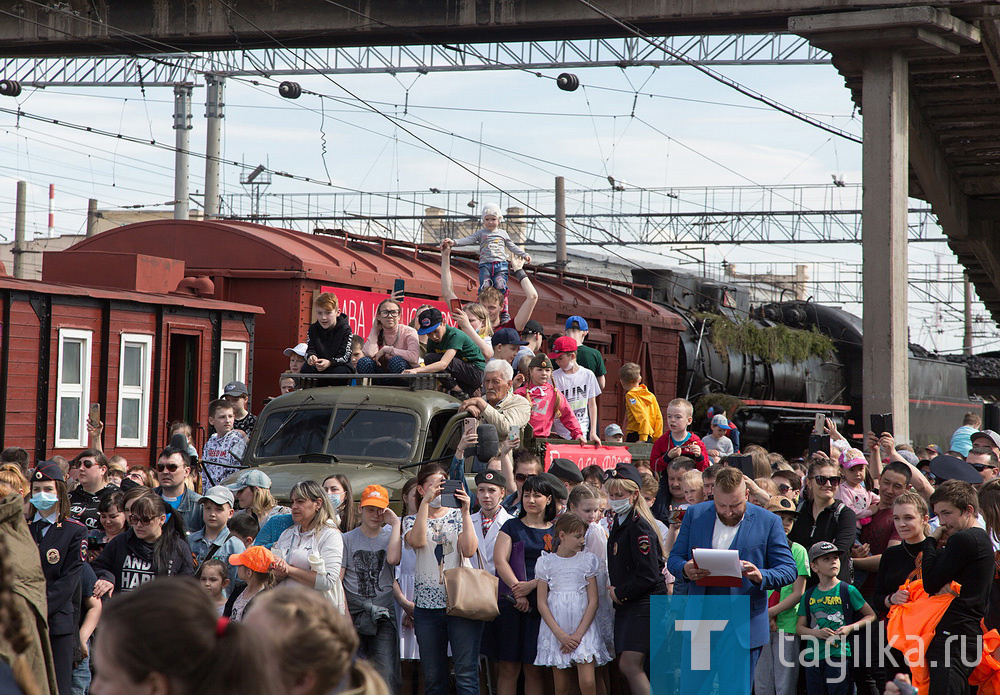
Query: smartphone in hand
[(95, 414), (448, 493), (399, 288)]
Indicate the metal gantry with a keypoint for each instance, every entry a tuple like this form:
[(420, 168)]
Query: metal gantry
[(786, 214), (169, 69)]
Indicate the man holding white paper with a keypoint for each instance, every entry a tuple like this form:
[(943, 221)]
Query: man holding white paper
[(765, 560)]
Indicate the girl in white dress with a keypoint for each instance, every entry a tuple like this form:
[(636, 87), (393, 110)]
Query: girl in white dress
[(585, 500), (567, 601)]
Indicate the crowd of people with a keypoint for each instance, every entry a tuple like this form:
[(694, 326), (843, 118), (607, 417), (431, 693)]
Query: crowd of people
[(118, 578)]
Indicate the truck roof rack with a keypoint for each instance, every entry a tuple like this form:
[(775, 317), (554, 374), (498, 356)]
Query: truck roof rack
[(413, 382)]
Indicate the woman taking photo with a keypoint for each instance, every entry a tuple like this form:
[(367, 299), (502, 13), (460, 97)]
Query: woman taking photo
[(311, 551), (514, 634), (153, 545), (392, 346), (442, 537), (822, 517)]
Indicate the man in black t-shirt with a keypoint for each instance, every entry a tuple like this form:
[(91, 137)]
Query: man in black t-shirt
[(967, 558)]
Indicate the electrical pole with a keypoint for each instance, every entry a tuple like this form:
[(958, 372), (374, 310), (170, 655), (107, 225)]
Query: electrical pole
[(182, 126), (214, 112), (19, 212), (967, 345), (561, 256)]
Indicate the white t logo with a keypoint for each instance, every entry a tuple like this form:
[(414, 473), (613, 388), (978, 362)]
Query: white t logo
[(701, 640)]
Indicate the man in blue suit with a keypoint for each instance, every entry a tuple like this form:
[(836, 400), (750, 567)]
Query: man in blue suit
[(729, 523)]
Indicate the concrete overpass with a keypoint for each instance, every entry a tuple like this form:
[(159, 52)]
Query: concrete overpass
[(926, 76)]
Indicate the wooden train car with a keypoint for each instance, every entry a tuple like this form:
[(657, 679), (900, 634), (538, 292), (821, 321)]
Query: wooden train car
[(283, 270), (109, 329)]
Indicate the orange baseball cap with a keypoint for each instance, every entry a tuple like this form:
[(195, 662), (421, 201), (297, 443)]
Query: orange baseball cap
[(256, 558), (375, 496)]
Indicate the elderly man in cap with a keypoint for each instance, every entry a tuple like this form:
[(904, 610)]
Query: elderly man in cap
[(296, 357), (500, 407), (237, 395), (567, 472)]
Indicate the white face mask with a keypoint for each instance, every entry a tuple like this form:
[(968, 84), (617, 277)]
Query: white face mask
[(620, 507), (334, 500), (436, 502)]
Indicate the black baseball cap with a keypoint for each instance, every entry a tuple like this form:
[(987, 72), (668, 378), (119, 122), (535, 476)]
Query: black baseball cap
[(507, 336), (532, 326), (429, 319)]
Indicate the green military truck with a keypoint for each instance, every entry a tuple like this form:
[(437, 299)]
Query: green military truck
[(372, 434)]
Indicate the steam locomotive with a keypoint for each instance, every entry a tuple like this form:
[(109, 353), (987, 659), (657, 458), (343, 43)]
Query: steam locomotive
[(778, 399)]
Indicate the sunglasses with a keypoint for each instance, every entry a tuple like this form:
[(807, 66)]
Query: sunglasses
[(85, 464), (141, 520), (833, 480), (784, 488), (982, 466), (160, 467), (520, 477)]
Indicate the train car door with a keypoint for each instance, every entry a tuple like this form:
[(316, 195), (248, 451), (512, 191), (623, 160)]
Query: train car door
[(182, 378)]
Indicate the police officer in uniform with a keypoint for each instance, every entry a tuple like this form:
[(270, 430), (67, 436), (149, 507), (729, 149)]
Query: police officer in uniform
[(635, 571), (62, 546)]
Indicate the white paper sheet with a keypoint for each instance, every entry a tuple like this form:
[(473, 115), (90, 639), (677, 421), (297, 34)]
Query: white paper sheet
[(721, 563)]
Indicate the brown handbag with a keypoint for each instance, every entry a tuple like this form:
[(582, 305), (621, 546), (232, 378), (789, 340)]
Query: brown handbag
[(471, 593)]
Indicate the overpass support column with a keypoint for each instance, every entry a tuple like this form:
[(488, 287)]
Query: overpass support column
[(885, 172), (872, 48)]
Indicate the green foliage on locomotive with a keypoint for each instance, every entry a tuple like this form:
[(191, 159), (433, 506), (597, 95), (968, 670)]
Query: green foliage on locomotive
[(773, 343)]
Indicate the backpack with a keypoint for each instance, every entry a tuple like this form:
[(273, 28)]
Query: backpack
[(845, 600)]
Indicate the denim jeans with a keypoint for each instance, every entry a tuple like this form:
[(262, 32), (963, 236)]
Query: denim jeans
[(81, 677), (493, 275), (382, 651), (435, 630)]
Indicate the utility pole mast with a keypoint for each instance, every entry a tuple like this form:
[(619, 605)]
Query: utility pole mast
[(214, 112), (182, 124)]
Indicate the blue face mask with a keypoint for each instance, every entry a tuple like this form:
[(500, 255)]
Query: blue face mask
[(334, 500), (43, 500)]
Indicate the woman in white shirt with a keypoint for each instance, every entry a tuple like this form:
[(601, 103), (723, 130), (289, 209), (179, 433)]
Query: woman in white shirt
[(311, 551)]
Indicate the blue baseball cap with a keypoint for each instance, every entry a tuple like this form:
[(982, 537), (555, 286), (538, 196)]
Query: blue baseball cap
[(580, 322), (507, 336)]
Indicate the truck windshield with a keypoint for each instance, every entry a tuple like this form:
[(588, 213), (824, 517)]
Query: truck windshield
[(371, 433)]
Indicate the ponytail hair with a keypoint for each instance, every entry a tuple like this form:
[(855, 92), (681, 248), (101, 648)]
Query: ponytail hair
[(166, 547), (316, 639), (169, 626), (618, 485)]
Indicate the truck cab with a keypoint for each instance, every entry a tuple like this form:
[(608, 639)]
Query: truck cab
[(372, 434)]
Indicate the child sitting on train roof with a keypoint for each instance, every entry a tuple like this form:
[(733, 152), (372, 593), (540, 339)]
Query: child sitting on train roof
[(493, 246), (329, 344)]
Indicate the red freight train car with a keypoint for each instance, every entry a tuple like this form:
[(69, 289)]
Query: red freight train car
[(145, 354), (282, 270)]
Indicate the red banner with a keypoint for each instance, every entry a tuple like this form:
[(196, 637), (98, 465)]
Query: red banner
[(585, 455), (360, 307)]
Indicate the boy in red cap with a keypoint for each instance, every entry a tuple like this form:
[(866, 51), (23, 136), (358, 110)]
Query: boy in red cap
[(371, 551), (579, 385)]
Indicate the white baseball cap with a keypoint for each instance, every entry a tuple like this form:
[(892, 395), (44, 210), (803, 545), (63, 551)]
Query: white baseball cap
[(299, 350)]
